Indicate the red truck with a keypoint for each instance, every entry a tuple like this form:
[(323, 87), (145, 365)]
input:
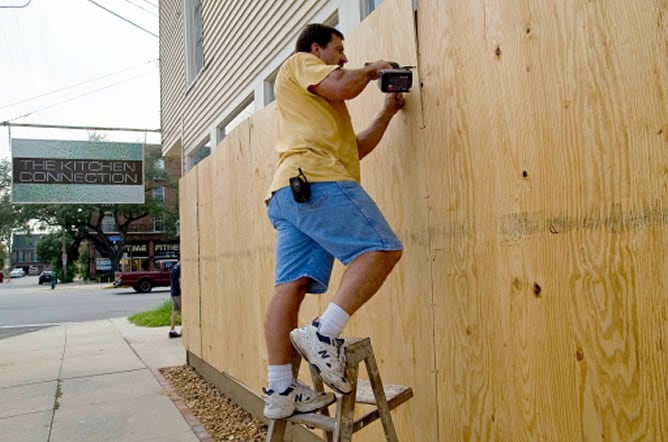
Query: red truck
[(143, 282)]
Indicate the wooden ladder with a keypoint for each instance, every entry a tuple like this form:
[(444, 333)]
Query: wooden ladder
[(341, 427)]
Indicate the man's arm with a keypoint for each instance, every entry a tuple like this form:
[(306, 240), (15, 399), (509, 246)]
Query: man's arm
[(344, 84), (368, 139)]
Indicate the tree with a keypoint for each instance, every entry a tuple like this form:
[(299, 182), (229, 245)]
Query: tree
[(3, 255), (11, 215), (84, 260), (49, 250)]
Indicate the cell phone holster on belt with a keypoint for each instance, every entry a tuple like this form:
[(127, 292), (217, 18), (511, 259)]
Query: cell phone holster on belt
[(301, 190)]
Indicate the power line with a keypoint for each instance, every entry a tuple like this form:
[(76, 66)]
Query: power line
[(16, 6), (151, 3), (123, 18), (77, 84), (78, 96), (61, 126), (149, 11)]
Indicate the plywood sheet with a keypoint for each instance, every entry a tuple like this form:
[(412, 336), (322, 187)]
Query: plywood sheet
[(189, 241), (263, 162), (542, 127), (394, 175), (238, 305), (207, 257), (527, 179)]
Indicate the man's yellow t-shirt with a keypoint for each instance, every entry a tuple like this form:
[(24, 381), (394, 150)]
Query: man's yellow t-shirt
[(312, 133)]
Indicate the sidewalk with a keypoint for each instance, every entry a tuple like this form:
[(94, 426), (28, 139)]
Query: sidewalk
[(90, 381)]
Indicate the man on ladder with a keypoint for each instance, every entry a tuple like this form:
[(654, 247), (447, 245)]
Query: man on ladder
[(321, 212)]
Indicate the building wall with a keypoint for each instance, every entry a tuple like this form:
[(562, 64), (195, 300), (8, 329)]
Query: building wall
[(172, 75), (526, 177), (24, 252), (240, 41)]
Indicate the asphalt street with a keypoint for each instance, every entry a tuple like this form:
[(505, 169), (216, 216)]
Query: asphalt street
[(26, 306)]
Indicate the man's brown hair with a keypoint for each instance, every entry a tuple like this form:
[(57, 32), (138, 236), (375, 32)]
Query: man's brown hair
[(316, 33)]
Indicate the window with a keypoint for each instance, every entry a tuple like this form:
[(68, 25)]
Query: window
[(198, 154), (108, 223), (243, 111), (159, 194), (158, 224), (159, 169), (333, 20), (194, 38), (269, 83), (367, 7)]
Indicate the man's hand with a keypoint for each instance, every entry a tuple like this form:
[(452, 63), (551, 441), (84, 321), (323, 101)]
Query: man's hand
[(373, 69), (393, 103), (368, 139)]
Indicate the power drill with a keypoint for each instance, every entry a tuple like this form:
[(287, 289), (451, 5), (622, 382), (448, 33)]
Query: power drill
[(397, 79)]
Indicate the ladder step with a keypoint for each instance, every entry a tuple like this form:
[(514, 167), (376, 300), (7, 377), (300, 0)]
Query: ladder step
[(344, 424), (312, 420), (394, 393)]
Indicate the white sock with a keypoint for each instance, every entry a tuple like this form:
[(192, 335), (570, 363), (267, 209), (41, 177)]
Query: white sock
[(280, 377), (333, 321)]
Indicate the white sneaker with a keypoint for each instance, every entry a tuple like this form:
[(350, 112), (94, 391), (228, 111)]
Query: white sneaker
[(325, 355), (297, 398)]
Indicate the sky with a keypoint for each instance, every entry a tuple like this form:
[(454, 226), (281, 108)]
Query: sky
[(73, 63)]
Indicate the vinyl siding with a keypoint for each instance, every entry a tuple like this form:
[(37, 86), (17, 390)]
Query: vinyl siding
[(172, 72), (240, 39)]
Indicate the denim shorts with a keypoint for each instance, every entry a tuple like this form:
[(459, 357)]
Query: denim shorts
[(340, 220)]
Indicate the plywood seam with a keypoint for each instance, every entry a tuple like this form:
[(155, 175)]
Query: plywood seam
[(418, 62), (199, 272)]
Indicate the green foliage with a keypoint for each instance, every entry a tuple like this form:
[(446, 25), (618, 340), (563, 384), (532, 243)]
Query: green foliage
[(3, 256), (50, 250), (158, 317), (12, 216), (71, 272), (84, 261)]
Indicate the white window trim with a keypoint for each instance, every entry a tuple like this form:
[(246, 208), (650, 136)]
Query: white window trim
[(366, 9), (232, 115), (188, 154), (192, 70)]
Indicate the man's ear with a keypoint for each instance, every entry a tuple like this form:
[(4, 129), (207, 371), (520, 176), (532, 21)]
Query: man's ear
[(315, 49)]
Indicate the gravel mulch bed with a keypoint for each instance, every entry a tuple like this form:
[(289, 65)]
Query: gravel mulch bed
[(222, 418)]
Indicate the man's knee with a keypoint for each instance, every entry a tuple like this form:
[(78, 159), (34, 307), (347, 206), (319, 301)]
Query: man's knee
[(296, 288), (396, 255), (392, 257)]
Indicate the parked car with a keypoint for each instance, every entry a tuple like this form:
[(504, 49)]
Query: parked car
[(17, 273), (45, 276), (143, 282)]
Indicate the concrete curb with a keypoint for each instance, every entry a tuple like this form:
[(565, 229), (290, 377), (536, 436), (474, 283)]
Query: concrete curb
[(180, 404)]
